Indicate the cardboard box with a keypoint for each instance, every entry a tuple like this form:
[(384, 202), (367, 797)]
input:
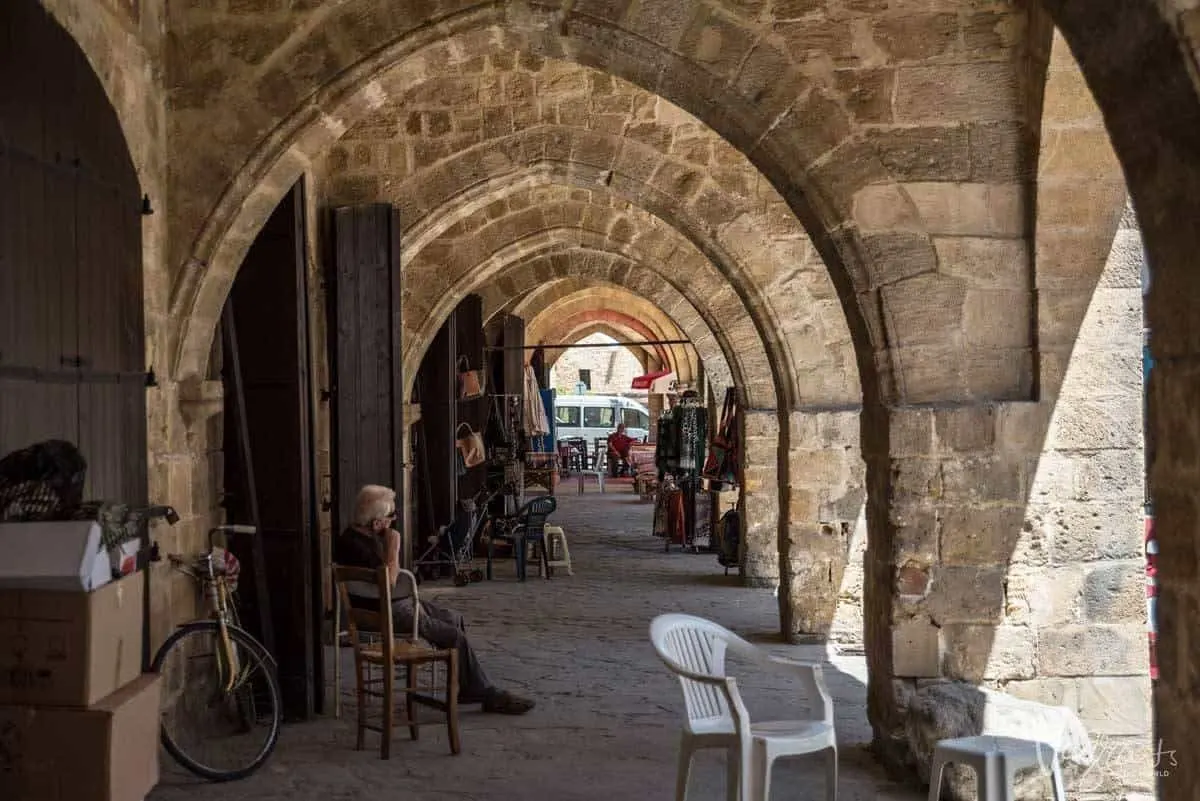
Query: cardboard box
[(70, 648), (58, 555), (107, 752)]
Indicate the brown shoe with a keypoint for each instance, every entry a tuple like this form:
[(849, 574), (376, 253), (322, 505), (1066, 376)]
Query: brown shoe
[(505, 703)]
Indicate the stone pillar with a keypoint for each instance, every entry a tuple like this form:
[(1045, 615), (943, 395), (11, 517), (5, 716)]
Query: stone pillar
[(654, 403), (826, 489), (761, 489), (946, 504), (967, 581), (186, 470)]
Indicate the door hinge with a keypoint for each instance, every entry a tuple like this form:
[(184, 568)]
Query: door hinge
[(73, 361), (147, 209), (151, 379)]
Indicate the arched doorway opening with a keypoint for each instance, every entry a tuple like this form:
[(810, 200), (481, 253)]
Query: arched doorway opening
[(72, 345)]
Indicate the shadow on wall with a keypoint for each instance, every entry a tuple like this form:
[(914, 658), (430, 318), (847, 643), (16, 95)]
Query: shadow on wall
[(1014, 543)]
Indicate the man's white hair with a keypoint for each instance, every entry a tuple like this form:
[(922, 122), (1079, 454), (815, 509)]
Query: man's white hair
[(373, 503)]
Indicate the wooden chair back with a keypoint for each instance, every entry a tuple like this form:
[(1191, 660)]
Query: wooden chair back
[(373, 584)]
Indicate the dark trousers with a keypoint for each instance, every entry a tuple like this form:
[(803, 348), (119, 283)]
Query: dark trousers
[(444, 628)]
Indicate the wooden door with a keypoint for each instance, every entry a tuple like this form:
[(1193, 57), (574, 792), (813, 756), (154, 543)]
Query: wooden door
[(269, 312), (367, 391), (469, 341), (436, 475), (72, 342)]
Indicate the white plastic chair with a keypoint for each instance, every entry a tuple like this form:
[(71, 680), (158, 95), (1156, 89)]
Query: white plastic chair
[(694, 649)]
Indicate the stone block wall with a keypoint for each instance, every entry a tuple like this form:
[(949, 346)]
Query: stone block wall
[(760, 498), (826, 489), (1013, 541), (1078, 575), (612, 369), (848, 618)]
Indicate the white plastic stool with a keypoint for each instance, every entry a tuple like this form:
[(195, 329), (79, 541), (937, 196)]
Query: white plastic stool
[(995, 761), (556, 548), (583, 474)]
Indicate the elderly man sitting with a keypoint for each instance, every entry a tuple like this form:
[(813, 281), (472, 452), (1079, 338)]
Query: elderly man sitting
[(372, 543)]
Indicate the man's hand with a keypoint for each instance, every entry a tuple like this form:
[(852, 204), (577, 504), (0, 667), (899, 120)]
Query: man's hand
[(392, 553)]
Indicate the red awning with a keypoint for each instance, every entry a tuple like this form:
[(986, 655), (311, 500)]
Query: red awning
[(644, 381)]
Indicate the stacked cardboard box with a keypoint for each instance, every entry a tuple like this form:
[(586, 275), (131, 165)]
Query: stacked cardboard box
[(78, 719)]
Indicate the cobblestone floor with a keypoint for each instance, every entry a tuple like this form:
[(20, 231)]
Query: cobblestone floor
[(608, 712)]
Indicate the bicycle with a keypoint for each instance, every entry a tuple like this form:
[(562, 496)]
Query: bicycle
[(240, 689)]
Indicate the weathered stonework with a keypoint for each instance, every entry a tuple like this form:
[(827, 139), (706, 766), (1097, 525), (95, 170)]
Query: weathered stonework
[(1014, 543), (846, 202), (612, 369), (825, 500)]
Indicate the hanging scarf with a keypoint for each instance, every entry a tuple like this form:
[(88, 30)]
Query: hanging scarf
[(536, 422), (689, 438)]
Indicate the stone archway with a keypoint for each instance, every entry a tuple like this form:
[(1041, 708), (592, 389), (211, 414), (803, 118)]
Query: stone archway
[(539, 300), (445, 53), (1141, 65), (564, 320)]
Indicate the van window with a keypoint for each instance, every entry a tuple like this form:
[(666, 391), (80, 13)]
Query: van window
[(567, 416), (635, 418), (598, 417)]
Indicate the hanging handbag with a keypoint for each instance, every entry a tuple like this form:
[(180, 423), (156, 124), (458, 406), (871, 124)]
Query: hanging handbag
[(497, 434), (470, 445), (470, 382), (720, 468)]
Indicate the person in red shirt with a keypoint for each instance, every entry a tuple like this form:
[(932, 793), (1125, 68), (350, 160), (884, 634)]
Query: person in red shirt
[(619, 444)]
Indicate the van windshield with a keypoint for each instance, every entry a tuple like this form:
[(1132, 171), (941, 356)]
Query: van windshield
[(635, 418), (598, 417)]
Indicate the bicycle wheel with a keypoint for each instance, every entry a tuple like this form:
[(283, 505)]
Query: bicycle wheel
[(218, 732)]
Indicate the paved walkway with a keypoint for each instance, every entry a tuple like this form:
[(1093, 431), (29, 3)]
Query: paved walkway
[(608, 712)]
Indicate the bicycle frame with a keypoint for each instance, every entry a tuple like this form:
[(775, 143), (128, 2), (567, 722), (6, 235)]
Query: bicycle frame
[(221, 607)]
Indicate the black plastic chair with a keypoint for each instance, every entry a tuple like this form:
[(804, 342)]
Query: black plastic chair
[(529, 526)]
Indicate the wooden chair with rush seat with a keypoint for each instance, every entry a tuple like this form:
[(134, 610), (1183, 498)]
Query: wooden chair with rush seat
[(384, 652)]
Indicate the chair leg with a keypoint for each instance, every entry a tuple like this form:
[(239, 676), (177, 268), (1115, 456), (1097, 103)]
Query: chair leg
[(760, 776), (410, 706), (732, 773), (1056, 778), (748, 788), (831, 774), (337, 652), (566, 555), (360, 693), (683, 771), (452, 702), (935, 778), (389, 711), (522, 561)]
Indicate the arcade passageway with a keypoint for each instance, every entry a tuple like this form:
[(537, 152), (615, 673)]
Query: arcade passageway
[(923, 242), (608, 713)]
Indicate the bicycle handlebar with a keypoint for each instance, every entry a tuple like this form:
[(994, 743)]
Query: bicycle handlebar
[(231, 528), (237, 529)]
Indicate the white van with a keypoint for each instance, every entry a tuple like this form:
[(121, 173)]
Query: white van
[(596, 416)]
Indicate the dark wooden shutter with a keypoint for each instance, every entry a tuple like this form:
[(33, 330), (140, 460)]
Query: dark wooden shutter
[(72, 342), (269, 305), (368, 402)]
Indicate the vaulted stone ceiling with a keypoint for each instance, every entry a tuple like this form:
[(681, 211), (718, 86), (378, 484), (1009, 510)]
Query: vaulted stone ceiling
[(553, 315), (900, 134), (521, 155)]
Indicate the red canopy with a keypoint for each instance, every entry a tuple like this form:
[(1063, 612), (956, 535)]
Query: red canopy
[(644, 381)]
